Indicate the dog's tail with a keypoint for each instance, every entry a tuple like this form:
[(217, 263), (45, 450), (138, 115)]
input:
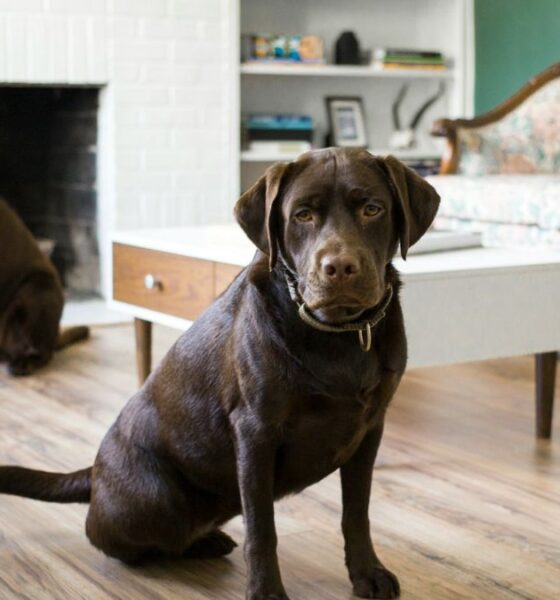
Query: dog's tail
[(49, 487), (71, 335)]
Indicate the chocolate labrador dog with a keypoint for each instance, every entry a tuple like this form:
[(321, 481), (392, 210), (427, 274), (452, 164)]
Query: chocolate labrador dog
[(283, 380), (31, 300)]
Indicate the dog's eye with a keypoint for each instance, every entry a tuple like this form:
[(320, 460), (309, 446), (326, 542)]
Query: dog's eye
[(304, 215), (371, 210)]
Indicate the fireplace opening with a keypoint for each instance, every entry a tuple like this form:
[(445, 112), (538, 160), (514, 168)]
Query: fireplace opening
[(48, 161)]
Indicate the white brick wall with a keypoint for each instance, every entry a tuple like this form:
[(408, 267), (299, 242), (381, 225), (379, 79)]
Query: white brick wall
[(168, 99)]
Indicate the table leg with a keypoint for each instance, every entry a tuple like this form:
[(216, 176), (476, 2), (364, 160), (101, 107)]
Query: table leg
[(545, 372), (143, 335)]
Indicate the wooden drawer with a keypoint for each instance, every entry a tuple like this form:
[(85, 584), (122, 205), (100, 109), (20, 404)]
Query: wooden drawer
[(224, 275), (185, 286)]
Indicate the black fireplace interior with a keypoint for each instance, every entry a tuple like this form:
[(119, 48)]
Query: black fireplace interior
[(48, 156)]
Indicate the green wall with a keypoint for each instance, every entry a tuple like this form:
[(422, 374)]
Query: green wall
[(515, 39)]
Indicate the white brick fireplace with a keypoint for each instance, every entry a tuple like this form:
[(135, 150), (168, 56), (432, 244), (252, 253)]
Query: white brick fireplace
[(166, 140)]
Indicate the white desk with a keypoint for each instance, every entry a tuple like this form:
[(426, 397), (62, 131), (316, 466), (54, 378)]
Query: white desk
[(459, 306)]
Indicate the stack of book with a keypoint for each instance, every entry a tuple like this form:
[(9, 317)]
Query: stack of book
[(402, 58), (273, 133)]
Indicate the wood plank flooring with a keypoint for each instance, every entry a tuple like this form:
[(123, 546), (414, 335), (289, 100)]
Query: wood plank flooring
[(466, 504)]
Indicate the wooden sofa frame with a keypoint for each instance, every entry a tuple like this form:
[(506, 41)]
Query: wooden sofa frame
[(448, 127)]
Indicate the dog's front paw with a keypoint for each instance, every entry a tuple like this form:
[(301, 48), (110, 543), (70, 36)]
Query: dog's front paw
[(381, 583)]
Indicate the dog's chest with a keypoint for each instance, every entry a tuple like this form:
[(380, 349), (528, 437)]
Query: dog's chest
[(320, 435), (336, 418), (338, 404)]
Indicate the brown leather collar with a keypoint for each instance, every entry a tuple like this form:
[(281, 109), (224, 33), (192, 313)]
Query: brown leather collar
[(362, 326)]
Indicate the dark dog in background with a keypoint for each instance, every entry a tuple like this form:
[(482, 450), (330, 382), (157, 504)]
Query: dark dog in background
[(283, 380), (31, 300)]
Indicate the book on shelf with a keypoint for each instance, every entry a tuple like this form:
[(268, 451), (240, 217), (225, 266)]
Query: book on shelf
[(288, 148), (411, 52), (409, 66), (442, 241), (394, 58)]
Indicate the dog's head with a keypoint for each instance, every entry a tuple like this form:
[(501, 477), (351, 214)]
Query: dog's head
[(29, 328), (336, 217), (23, 351)]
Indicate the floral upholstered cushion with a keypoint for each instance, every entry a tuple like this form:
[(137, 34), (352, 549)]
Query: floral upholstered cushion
[(507, 209), (527, 140), (519, 199)]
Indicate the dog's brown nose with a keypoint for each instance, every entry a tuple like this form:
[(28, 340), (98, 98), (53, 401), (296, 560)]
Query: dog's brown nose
[(340, 267)]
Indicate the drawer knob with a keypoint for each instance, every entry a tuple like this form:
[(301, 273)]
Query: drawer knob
[(152, 283)]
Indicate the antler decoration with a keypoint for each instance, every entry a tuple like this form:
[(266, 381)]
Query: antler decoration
[(421, 111), (406, 138), (397, 105)]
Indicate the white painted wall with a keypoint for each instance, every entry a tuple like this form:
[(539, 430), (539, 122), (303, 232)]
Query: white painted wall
[(168, 72)]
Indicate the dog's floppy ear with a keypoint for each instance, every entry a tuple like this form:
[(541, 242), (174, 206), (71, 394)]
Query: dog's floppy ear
[(255, 212), (418, 202)]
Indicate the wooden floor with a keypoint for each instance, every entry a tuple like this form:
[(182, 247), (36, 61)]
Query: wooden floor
[(466, 504)]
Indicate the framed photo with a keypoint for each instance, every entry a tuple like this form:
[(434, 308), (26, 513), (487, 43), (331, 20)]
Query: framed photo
[(346, 121)]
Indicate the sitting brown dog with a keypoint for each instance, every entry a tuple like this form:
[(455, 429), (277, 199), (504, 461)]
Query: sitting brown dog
[(31, 300), (284, 379)]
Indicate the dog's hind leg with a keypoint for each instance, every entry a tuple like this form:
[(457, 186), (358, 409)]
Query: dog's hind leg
[(142, 507)]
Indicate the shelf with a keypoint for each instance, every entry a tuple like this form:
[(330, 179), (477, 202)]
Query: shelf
[(340, 71), (415, 154)]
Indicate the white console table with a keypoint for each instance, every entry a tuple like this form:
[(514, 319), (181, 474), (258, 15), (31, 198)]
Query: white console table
[(459, 306)]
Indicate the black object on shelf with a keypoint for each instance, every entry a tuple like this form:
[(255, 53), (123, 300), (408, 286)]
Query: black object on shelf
[(347, 49)]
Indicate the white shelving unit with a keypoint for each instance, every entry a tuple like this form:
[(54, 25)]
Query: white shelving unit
[(444, 25)]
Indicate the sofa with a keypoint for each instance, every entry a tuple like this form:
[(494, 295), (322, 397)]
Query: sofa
[(500, 171)]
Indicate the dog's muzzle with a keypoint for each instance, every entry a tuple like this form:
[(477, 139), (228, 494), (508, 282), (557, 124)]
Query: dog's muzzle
[(354, 322)]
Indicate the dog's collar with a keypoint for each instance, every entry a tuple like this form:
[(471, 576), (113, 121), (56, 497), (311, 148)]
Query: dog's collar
[(363, 327)]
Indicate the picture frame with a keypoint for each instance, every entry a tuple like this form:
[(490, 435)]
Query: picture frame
[(347, 124)]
